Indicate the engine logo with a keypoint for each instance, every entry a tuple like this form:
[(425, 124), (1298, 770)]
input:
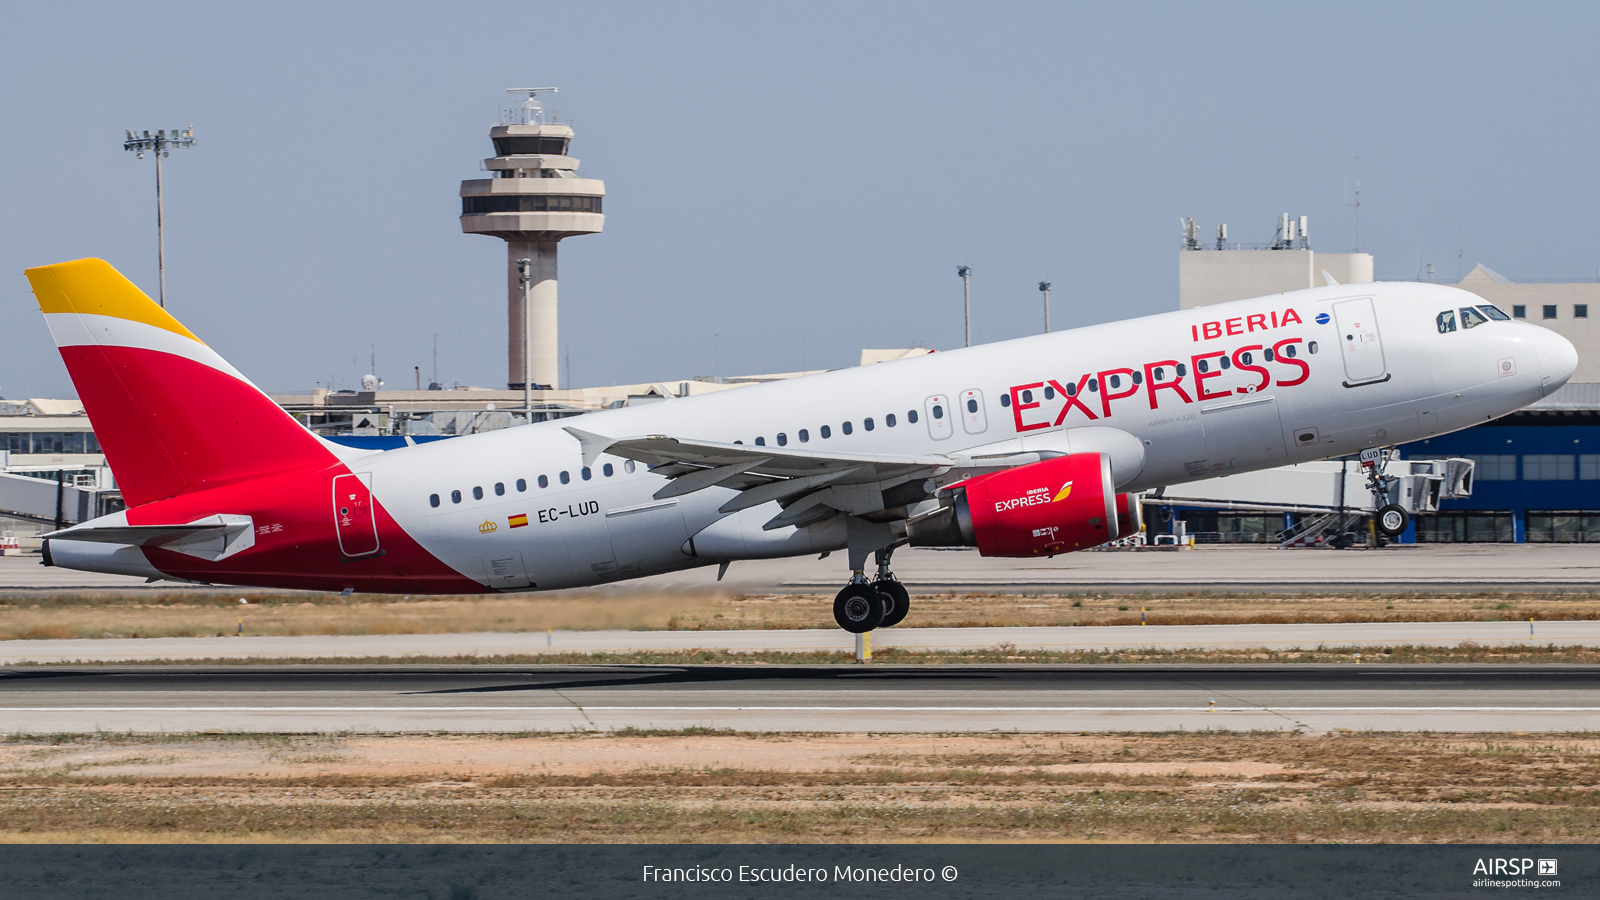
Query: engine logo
[(1062, 494)]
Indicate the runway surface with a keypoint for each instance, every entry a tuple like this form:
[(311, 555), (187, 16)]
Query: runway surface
[(822, 698), (1227, 567), (1064, 638)]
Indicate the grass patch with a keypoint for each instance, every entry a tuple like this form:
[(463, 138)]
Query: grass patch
[(1465, 652)]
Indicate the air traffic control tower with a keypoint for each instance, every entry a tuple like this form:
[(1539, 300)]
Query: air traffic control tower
[(532, 199)]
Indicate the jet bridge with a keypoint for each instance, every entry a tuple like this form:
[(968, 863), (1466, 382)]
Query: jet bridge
[(48, 501)]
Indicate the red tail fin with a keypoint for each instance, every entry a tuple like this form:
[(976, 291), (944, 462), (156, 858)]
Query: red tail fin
[(171, 415)]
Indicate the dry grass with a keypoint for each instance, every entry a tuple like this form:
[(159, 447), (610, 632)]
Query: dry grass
[(711, 786), (1003, 654), (189, 613)]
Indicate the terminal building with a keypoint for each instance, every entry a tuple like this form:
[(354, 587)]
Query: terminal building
[(1537, 471)]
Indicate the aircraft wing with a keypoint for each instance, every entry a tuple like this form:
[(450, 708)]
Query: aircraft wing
[(810, 485)]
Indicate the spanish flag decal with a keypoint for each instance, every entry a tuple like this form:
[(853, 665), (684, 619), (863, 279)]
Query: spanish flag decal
[(1062, 494), (519, 520)]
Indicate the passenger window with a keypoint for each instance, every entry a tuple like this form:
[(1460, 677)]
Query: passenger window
[(867, 423), (544, 481), (972, 405), (1290, 351), (522, 485), (628, 467), (499, 488), (826, 432), (804, 435), (455, 496), (1312, 347), (1027, 396), (1471, 318), (1226, 364), (1072, 390), (585, 473), (1116, 381), (1158, 373), (911, 416), (1094, 385), (846, 428), (1182, 370), (607, 470), (565, 478), (1005, 399), (938, 411), (1203, 365), (433, 500), (889, 420), (1446, 321), (477, 493), (1049, 392), (1267, 354), (783, 439), (1248, 359), (761, 442), (1494, 312)]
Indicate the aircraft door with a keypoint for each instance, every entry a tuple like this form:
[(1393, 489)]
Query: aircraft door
[(937, 409), (353, 518), (1360, 342), (972, 414)]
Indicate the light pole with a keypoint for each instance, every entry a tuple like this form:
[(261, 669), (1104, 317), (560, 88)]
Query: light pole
[(160, 144), (1044, 288), (524, 277), (966, 294)]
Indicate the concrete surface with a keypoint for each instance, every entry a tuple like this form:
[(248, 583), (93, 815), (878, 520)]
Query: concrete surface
[(774, 698), (1121, 637), (1460, 566)]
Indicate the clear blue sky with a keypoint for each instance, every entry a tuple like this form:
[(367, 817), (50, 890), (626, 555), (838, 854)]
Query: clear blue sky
[(800, 179)]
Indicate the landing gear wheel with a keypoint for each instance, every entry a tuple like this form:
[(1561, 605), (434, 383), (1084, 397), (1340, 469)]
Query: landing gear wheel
[(897, 600), (859, 608), (1393, 519)]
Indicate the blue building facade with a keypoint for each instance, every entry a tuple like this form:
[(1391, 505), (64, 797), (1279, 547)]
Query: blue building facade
[(1537, 478)]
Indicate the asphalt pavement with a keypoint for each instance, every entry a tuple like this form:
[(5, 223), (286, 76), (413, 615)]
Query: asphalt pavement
[(821, 698), (1061, 638)]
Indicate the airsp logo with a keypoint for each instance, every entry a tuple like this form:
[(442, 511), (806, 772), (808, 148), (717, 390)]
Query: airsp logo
[(1322, 318), (1512, 866)]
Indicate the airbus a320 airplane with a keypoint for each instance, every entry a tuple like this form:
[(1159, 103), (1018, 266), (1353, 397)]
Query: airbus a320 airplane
[(1024, 448)]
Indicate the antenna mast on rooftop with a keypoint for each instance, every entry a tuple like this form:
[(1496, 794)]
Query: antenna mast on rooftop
[(1355, 246)]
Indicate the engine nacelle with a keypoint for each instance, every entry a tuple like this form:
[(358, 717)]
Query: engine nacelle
[(1053, 506), (1130, 515)]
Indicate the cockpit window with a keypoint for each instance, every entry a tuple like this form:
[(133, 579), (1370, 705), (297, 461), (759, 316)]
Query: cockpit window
[(1446, 321), (1494, 312), (1471, 318)]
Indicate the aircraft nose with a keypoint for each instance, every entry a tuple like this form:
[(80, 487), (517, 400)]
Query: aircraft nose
[(1558, 360)]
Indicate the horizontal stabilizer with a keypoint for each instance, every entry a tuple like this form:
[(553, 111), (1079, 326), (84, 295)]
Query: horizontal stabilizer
[(212, 538)]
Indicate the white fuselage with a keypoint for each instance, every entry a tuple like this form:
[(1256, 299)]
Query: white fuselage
[(1396, 378)]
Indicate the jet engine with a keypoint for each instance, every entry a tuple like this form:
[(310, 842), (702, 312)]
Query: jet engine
[(1052, 506)]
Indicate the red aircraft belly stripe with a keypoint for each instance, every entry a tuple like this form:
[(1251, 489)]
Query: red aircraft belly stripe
[(297, 544)]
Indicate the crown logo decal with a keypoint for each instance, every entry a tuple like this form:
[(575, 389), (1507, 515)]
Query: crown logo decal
[(487, 526)]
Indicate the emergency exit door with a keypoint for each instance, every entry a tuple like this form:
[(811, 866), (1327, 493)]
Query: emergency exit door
[(353, 516), (1360, 342)]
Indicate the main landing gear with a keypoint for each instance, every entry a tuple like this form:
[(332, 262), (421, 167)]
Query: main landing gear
[(882, 603)]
